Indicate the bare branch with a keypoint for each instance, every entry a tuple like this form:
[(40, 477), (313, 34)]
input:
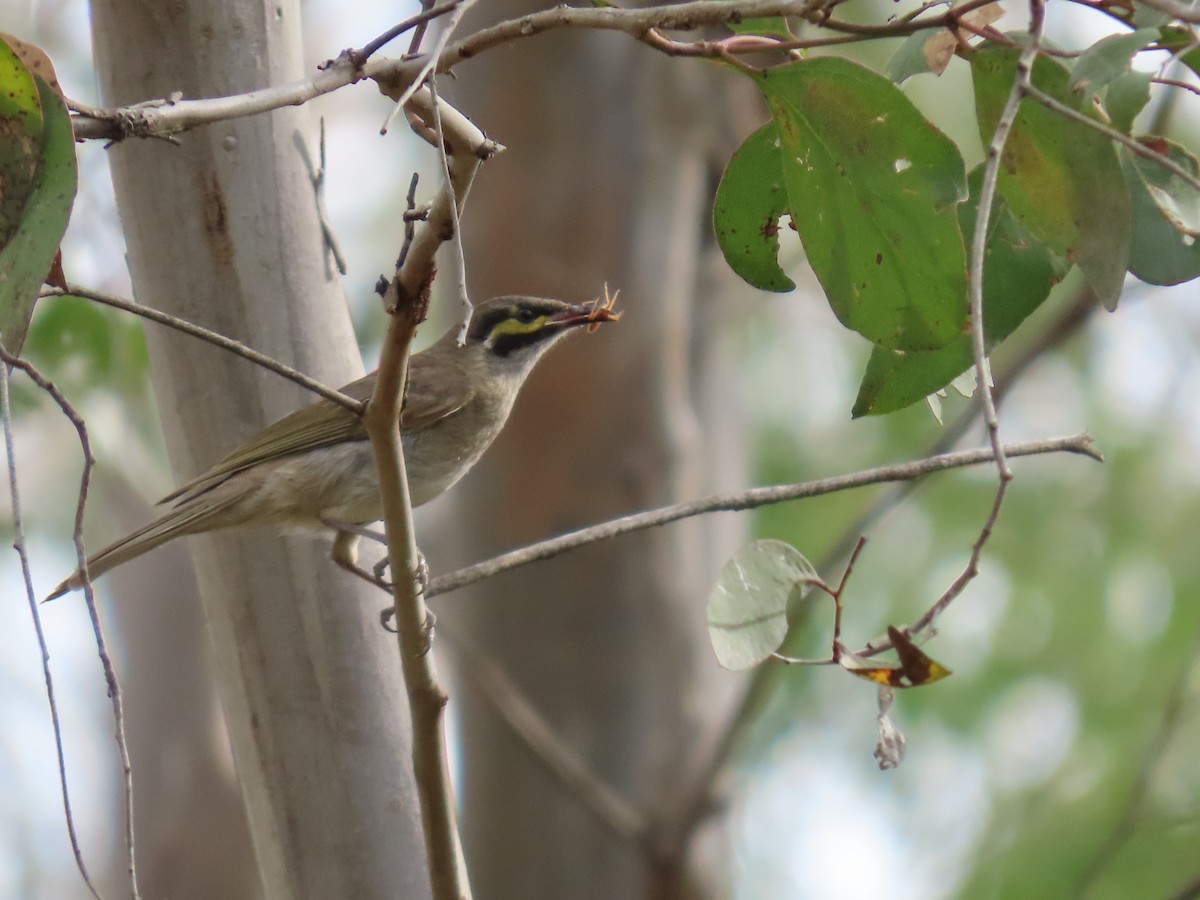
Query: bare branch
[(406, 298), (114, 691), (427, 66), (168, 116), (317, 174), (219, 340), (987, 195), (456, 241), (416, 23), (1130, 144), (743, 500)]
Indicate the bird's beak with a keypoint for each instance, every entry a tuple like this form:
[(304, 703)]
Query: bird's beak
[(576, 315), (589, 314)]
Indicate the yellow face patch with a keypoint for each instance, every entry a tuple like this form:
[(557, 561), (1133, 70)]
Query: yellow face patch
[(513, 325)]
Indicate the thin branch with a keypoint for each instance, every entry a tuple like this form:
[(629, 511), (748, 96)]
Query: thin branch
[(613, 810), (1174, 82), (417, 22), (418, 35), (318, 183), (983, 217), (743, 500), (430, 62), (1130, 144), (110, 678), (456, 241), (165, 117), (219, 340), (406, 299), (36, 615), (159, 118)]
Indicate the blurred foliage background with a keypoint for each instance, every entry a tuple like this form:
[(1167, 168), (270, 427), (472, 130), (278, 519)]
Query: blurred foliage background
[(1058, 761)]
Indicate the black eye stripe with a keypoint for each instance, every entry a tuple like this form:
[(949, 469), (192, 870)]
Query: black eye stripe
[(482, 325)]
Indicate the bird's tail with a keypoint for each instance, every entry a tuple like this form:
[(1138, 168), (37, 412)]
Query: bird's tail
[(189, 518)]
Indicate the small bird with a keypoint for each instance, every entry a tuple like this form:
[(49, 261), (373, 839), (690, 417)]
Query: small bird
[(316, 467)]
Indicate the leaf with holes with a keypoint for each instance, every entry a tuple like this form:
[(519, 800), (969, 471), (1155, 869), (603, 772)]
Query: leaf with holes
[(749, 203), (747, 609), (873, 190), (1061, 179)]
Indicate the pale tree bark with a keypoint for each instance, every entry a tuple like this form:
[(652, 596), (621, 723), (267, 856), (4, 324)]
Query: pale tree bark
[(607, 178), (223, 231)]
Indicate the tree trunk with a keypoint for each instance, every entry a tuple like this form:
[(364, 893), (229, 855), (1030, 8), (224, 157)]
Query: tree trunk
[(223, 231), (606, 180)]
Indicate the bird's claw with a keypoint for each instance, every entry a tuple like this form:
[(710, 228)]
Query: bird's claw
[(422, 573), (389, 612)]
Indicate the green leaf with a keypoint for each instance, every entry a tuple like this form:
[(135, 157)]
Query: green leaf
[(747, 609), (25, 258), (1145, 16), (1018, 274), (1177, 39), (909, 58), (21, 126), (926, 51), (1061, 179), (1176, 199), (1162, 253), (872, 188), (1127, 95), (1108, 59), (750, 200)]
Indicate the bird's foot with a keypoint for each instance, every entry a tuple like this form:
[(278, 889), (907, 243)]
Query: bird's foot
[(388, 612), (427, 628)]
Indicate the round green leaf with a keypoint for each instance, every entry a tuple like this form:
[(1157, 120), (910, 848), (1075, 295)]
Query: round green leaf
[(872, 188), (747, 609), (750, 200)]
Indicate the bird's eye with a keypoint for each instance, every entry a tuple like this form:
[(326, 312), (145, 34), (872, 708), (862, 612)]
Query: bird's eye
[(526, 316)]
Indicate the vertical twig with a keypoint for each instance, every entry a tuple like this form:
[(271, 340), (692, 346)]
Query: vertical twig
[(1022, 84), (7, 360), (406, 298), (461, 275), (431, 61), (318, 182)]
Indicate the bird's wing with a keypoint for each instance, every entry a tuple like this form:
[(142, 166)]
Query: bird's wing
[(318, 425), (438, 387)]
